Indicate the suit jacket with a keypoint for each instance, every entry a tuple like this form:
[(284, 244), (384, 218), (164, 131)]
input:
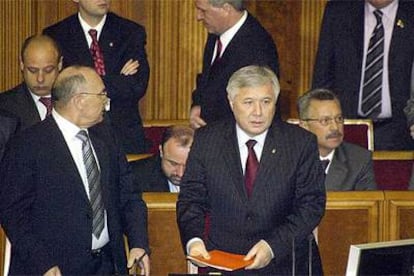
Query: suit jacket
[(339, 62), (148, 174), (287, 202), (351, 169), (19, 103), (251, 45), (44, 207), (8, 127), (120, 41)]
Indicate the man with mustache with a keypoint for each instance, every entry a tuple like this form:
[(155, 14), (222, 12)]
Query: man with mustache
[(163, 172), (348, 166), (40, 63)]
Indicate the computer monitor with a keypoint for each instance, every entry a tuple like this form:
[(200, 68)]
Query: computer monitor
[(381, 258)]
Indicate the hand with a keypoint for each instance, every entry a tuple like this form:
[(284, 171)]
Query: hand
[(261, 253), (54, 271), (195, 119), (197, 248), (412, 131), (142, 257), (130, 67)]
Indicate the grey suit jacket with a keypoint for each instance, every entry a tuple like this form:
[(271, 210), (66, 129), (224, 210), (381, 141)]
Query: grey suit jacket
[(287, 202), (351, 169)]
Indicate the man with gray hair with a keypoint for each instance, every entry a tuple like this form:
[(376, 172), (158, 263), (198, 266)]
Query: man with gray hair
[(347, 166), (67, 195), (236, 39), (259, 181)]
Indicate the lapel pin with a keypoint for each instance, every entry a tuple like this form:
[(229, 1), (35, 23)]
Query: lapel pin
[(400, 23), (273, 151), (111, 44)]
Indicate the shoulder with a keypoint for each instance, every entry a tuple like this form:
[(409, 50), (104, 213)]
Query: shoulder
[(355, 152), (62, 25), (123, 23)]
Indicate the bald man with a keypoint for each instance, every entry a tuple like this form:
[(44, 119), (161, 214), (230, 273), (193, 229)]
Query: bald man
[(67, 195), (40, 63)]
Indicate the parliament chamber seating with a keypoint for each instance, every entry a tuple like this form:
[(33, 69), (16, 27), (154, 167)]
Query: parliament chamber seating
[(350, 218), (153, 130)]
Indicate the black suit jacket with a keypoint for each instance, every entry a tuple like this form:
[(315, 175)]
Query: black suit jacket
[(120, 41), (252, 45), (148, 174), (8, 127), (287, 202), (339, 62), (19, 103), (45, 210)]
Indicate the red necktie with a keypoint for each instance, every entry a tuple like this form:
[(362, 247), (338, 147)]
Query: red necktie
[(219, 47), (97, 53), (252, 166), (47, 101)]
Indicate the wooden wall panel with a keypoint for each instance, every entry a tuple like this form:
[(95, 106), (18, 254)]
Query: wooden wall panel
[(175, 42)]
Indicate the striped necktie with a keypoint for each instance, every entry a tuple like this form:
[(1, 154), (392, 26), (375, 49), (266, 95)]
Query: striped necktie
[(372, 89), (94, 182), (252, 166)]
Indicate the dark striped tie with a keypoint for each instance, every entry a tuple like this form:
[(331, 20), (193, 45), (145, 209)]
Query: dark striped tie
[(371, 92), (252, 166), (94, 183)]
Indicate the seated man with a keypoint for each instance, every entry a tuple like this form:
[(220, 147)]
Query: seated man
[(163, 172), (348, 166)]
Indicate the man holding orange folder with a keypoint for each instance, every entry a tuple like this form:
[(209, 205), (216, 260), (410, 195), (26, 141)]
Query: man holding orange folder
[(258, 181)]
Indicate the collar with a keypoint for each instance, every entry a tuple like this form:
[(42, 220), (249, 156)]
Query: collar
[(243, 137), (86, 27), (388, 12), (228, 35), (328, 157)]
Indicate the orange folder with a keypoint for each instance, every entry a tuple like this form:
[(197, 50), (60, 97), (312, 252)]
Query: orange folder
[(222, 260)]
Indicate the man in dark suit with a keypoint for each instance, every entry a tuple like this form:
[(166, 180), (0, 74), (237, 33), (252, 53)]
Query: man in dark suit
[(348, 166), (341, 62), (125, 66), (269, 213), (242, 41), (40, 63), (163, 172), (8, 127), (67, 194)]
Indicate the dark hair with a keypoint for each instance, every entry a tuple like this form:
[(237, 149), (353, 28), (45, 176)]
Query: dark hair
[(319, 94)]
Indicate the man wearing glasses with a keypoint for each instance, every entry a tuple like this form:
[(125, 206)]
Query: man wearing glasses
[(163, 172), (347, 166)]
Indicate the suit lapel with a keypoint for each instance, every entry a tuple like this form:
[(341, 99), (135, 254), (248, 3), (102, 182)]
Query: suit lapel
[(110, 42), (78, 43), (337, 171), (232, 158), (25, 99), (65, 160), (358, 32)]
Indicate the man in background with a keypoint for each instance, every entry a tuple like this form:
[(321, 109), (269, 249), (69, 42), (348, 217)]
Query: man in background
[(115, 46), (40, 62), (259, 180), (365, 55), (67, 194), (347, 166), (236, 39), (163, 172)]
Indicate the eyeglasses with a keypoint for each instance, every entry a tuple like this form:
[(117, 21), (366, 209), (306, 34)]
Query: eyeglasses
[(325, 121), (103, 93)]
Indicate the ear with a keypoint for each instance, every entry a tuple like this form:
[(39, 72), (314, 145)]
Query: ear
[(227, 8), (160, 149), (60, 64), (303, 124), (230, 102), (21, 64)]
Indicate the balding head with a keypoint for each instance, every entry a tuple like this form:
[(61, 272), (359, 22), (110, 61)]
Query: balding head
[(40, 63), (80, 96)]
